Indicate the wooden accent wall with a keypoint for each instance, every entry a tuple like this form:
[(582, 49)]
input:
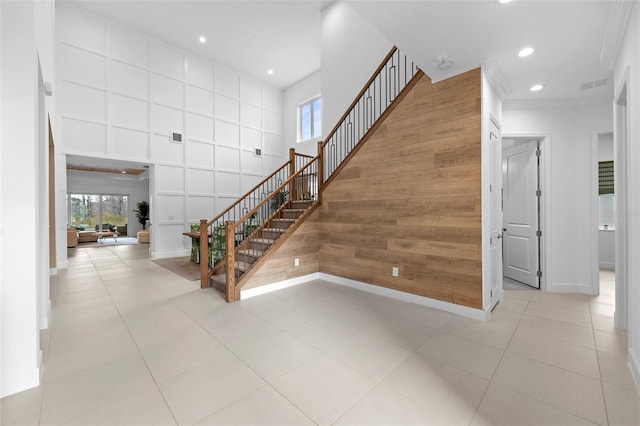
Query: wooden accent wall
[(304, 244), (411, 198)]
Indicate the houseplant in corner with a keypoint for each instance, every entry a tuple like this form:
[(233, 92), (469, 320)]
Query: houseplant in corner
[(142, 213)]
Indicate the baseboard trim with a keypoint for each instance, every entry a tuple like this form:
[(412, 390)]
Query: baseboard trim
[(53, 271), (634, 366), (14, 382), (257, 291), (609, 266), (172, 253), (464, 311)]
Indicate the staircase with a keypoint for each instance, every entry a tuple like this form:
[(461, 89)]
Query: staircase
[(261, 241), (243, 237)]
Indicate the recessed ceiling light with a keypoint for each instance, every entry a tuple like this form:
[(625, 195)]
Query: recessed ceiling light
[(124, 172), (202, 39), (270, 72), (537, 87), (526, 51), (504, 1)]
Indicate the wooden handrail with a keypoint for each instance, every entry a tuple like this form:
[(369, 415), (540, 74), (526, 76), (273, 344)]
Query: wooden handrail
[(262, 182), (359, 95)]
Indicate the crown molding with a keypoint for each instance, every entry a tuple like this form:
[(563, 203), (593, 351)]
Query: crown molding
[(557, 104), (497, 79), (617, 23)]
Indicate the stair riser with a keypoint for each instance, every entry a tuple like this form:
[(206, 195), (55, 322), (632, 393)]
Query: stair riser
[(259, 246), (289, 214), (300, 204), (247, 258), (271, 235), (280, 225)]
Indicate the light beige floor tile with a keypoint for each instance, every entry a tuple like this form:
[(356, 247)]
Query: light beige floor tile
[(85, 315), (323, 388), (603, 309), (558, 313), (199, 301), (615, 343), (22, 408), (181, 354), (605, 323), (281, 314), (575, 358), (422, 314), (569, 301), (275, 355), (558, 330), (264, 406), (513, 304), (73, 395), (220, 383), (405, 332), (566, 390), (448, 391), (109, 347), (519, 294), (495, 334), (86, 333), (615, 370), (323, 333), (475, 358), (142, 408), (373, 357), (623, 405), (157, 324), (248, 328), (383, 406), (501, 406)]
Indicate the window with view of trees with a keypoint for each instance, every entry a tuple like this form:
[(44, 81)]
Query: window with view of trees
[(98, 210)]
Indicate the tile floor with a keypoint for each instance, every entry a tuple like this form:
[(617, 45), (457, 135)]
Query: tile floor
[(132, 343)]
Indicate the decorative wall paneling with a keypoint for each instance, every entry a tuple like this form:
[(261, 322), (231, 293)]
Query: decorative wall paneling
[(122, 93)]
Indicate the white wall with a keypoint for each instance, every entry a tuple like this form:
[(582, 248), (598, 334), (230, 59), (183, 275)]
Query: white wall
[(294, 95), (627, 71), (26, 31), (122, 93), (101, 183), (351, 51), (571, 233)]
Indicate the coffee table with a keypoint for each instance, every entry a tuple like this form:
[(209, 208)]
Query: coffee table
[(106, 234)]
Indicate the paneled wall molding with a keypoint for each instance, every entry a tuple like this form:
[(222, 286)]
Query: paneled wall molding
[(142, 89)]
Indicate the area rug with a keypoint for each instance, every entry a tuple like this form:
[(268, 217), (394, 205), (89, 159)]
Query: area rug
[(110, 242), (182, 266)]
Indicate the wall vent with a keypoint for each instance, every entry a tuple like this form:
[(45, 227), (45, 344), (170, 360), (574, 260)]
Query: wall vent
[(257, 152), (176, 137), (593, 84)]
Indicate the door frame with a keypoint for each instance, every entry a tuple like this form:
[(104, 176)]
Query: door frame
[(545, 199)]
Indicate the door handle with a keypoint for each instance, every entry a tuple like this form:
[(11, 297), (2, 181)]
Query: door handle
[(499, 236)]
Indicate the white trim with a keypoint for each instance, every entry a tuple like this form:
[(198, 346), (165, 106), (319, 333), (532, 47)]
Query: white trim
[(14, 382), (464, 311), (53, 271), (634, 366), (611, 266), (497, 79), (171, 253), (257, 291), (582, 288), (614, 36)]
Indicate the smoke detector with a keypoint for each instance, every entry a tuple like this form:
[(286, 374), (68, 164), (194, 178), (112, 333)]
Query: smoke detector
[(443, 62)]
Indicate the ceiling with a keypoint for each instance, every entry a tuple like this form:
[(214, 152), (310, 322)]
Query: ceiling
[(108, 168), (253, 36), (285, 36)]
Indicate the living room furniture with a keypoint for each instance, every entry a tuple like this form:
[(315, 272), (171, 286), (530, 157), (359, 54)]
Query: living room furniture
[(87, 236), (72, 237), (106, 234)]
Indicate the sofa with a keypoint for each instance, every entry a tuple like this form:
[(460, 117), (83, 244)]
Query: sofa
[(72, 237), (87, 236)]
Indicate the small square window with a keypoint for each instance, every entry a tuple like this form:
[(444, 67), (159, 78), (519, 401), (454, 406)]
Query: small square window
[(310, 119)]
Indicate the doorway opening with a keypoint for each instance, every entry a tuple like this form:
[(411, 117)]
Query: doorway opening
[(521, 207)]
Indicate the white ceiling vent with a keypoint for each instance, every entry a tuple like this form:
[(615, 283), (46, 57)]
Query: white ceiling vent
[(593, 84)]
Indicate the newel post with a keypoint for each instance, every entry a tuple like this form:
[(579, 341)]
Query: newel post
[(204, 254), (320, 170), (292, 171), (230, 256)]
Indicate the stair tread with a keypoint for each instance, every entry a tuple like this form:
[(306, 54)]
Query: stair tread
[(242, 266), (251, 252), (283, 219), (273, 229), (263, 240)]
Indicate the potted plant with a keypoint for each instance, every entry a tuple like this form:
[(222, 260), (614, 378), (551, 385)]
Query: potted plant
[(142, 213), (279, 199)]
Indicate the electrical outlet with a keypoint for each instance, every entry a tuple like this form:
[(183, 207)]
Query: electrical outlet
[(296, 262), (394, 271)]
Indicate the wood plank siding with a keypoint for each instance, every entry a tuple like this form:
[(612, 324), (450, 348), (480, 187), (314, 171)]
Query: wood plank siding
[(409, 198)]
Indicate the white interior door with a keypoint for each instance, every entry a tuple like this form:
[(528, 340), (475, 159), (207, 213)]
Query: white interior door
[(496, 215), (520, 180)]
